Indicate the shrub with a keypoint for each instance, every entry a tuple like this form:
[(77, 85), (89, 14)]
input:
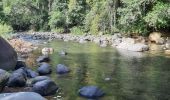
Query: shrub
[(4, 28), (58, 30), (77, 30), (57, 19), (159, 16)]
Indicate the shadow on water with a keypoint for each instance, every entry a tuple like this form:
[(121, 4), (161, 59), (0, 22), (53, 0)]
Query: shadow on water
[(122, 75)]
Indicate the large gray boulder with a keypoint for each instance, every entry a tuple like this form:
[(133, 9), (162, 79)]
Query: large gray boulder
[(138, 47), (8, 56), (21, 96), (131, 45)]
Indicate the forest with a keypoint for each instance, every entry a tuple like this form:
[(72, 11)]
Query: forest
[(85, 16)]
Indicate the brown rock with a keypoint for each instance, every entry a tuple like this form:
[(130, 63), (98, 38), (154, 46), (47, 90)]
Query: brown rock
[(155, 37)]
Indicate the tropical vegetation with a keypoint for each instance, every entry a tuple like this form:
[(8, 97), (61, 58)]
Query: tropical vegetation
[(86, 16)]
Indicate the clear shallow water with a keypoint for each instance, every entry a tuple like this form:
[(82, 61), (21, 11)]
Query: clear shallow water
[(133, 76)]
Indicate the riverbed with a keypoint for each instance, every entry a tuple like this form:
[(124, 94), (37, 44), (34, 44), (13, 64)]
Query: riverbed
[(123, 75)]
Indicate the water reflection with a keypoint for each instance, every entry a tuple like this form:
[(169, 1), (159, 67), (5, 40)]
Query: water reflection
[(132, 76)]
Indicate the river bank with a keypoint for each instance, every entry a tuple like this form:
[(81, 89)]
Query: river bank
[(136, 44)]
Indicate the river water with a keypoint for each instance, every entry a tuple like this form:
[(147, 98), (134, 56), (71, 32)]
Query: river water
[(123, 75)]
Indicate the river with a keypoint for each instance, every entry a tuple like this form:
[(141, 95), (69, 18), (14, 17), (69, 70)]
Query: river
[(123, 75)]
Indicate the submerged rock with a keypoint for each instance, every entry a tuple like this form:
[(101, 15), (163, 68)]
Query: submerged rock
[(62, 69), (8, 56), (91, 92), (21, 96), (45, 87), (44, 58), (44, 69), (63, 53)]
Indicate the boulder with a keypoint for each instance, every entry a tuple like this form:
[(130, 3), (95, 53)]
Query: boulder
[(130, 55), (140, 39), (17, 80), (47, 51), (128, 40), (44, 69), (21, 96), (155, 37), (20, 64), (137, 47), (62, 69), (39, 78), (91, 92), (45, 88), (31, 73), (4, 76), (8, 56), (44, 58), (21, 71), (160, 41), (155, 47)]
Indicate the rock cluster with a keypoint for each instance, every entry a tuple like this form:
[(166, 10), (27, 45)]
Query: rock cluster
[(116, 40)]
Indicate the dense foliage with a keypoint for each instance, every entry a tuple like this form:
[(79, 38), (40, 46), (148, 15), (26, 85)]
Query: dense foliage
[(86, 16)]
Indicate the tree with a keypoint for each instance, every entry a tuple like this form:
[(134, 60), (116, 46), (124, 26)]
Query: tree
[(159, 16), (25, 14), (58, 15), (94, 16), (2, 16), (76, 12)]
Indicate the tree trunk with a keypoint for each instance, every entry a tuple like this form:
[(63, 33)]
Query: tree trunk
[(111, 21), (116, 5), (49, 5), (114, 17)]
